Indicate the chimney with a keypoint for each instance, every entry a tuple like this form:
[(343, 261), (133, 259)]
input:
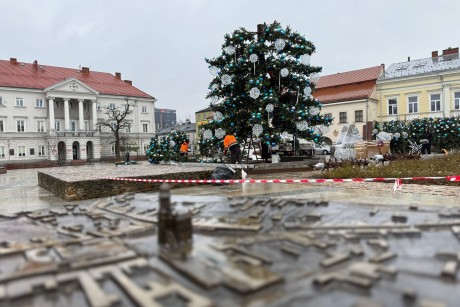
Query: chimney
[(13, 61), (129, 82), (450, 51), (434, 54), (35, 65), (118, 75), (85, 70)]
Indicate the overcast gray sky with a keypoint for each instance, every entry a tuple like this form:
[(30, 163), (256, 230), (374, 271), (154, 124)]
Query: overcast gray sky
[(161, 45)]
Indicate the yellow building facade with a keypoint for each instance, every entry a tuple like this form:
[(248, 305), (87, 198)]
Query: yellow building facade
[(422, 88)]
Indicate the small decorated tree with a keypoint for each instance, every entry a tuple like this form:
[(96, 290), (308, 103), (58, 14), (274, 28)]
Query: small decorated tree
[(166, 148), (263, 84)]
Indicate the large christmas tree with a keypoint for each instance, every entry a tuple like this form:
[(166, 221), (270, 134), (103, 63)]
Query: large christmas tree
[(263, 84)]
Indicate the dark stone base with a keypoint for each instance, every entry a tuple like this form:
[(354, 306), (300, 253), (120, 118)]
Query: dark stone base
[(95, 188)]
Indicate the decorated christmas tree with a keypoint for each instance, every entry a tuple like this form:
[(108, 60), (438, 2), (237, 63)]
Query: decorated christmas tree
[(166, 148), (262, 86)]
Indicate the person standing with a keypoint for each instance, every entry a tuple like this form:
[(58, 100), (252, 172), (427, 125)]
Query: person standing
[(230, 143), (426, 139), (127, 157), (184, 148)]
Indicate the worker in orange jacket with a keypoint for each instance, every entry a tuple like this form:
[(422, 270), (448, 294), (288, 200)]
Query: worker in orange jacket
[(184, 148), (231, 143)]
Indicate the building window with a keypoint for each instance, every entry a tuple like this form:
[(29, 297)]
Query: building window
[(328, 115), (113, 125), (413, 104), (85, 105), (56, 104), (20, 124), (359, 116), (2, 151), (22, 151), (86, 125), (41, 150), (57, 126), (145, 127), (112, 106), (39, 103), (343, 117), (2, 126), (144, 109), (146, 146), (19, 102), (98, 106), (457, 101), (392, 106), (435, 102), (31, 151), (113, 149), (40, 126), (72, 126), (1, 101), (128, 128), (11, 152)]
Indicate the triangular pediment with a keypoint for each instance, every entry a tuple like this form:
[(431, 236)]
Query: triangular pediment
[(71, 85)]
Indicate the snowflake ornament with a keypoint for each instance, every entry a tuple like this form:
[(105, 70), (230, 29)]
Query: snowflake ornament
[(305, 59), (280, 44), (257, 130), (217, 116), (207, 134), (220, 133), (269, 107), (302, 125), (214, 71), (226, 79), (214, 99), (307, 91), (230, 50), (314, 110)]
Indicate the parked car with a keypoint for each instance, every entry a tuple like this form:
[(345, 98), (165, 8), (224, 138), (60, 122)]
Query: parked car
[(322, 149)]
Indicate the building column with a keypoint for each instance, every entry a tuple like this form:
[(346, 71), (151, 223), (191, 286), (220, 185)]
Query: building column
[(51, 113), (66, 115), (93, 115), (447, 101), (80, 114)]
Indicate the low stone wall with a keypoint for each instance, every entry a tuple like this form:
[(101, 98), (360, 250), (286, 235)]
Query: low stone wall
[(2, 170), (94, 188)]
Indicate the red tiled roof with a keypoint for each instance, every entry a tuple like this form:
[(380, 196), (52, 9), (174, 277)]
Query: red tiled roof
[(346, 86), (26, 75), (360, 75), (345, 92)]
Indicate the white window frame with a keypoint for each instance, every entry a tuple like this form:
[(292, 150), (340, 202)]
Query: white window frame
[(415, 105), (1, 101), (21, 151), (73, 125), (2, 151), (98, 106), (41, 151), (392, 107), (456, 100), (57, 125), (145, 127), (86, 125), (144, 109), (39, 103), (437, 106), (19, 102), (340, 118), (113, 149), (41, 126), (20, 125), (112, 106), (128, 127), (362, 116)]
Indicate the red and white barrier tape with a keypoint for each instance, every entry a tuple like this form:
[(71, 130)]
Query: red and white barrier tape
[(448, 178)]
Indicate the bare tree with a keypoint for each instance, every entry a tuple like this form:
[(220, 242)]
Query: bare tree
[(116, 121)]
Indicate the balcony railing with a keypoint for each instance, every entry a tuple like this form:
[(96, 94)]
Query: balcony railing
[(75, 133)]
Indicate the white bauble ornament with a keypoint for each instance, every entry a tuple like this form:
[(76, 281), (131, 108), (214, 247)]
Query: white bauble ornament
[(254, 93), (314, 110), (314, 77), (284, 72), (172, 143), (214, 87), (253, 58), (405, 135), (269, 107)]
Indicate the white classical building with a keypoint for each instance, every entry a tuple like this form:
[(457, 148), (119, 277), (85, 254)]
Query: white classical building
[(51, 113)]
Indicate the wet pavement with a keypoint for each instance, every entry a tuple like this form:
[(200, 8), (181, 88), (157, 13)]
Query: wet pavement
[(19, 189)]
